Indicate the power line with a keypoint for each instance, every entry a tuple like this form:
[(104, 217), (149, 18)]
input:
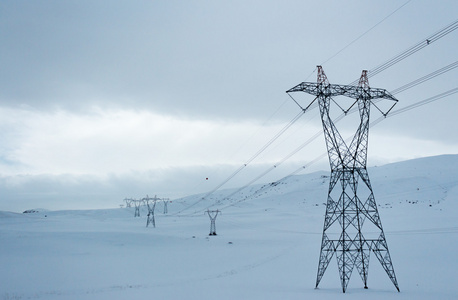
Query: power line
[(254, 134), (352, 42), (417, 104), (310, 140), (433, 38), (257, 153), (276, 182), (406, 53), (272, 140), (429, 40), (277, 164), (425, 78), (264, 123), (359, 37), (323, 155), (439, 34), (341, 116)]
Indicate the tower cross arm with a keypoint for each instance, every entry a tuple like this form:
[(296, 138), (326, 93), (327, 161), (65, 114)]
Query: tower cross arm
[(328, 90), (311, 88), (375, 93), (350, 91)]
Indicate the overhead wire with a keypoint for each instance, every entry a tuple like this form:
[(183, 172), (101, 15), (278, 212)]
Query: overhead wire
[(313, 105), (266, 186), (265, 122), (373, 123), (436, 36), (310, 140), (415, 48), (354, 109), (323, 155), (364, 33), (277, 164), (416, 104), (425, 78), (255, 133), (359, 37), (253, 157)]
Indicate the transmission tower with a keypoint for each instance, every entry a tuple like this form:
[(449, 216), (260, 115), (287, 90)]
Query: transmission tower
[(212, 214), (352, 226), (128, 202), (166, 202), (151, 203), (137, 204)]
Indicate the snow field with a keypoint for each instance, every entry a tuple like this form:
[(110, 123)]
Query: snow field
[(267, 246)]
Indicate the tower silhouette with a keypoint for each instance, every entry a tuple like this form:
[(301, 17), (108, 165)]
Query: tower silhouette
[(213, 214), (352, 226), (151, 203)]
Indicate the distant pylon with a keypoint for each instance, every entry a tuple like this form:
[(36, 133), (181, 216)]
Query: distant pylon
[(212, 214), (350, 204), (151, 204), (165, 206), (137, 204), (128, 202)]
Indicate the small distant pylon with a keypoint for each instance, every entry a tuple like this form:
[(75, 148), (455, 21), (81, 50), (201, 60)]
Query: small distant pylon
[(128, 202), (165, 206), (213, 214), (137, 204), (151, 204)]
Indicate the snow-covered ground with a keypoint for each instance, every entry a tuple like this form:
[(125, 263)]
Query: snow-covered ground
[(267, 245)]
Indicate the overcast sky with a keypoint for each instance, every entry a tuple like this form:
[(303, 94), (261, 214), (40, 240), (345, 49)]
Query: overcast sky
[(102, 100)]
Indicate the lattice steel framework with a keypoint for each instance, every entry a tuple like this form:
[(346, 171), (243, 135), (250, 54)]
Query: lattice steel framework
[(352, 226), (165, 201), (213, 214), (137, 204), (151, 203), (128, 202)]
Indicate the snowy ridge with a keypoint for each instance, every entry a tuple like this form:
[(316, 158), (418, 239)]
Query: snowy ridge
[(423, 180), (267, 245)]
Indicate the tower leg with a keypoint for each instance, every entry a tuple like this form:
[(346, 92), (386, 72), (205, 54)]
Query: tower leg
[(380, 249), (212, 227), (137, 211), (326, 254), (345, 262)]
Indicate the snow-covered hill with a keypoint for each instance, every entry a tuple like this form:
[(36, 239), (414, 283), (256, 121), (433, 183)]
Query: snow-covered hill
[(267, 245)]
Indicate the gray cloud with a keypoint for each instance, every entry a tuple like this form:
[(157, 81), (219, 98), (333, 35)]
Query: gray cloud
[(70, 191), (195, 59), (68, 69)]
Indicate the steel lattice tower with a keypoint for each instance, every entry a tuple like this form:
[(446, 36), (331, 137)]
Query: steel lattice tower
[(137, 204), (165, 207), (151, 203), (352, 226), (212, 214)]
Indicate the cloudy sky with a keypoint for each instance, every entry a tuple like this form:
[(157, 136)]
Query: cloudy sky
[(102, 100)]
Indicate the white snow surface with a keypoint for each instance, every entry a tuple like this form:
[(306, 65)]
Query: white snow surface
[(267, 245)]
